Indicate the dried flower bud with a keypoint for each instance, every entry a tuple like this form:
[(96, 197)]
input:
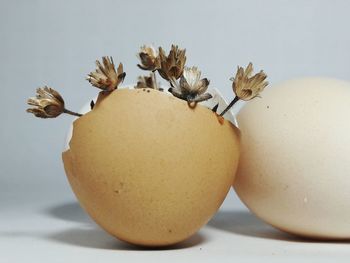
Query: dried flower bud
[(246, 86), (149, 58), (146, 82), (48, 103), (172, 66), (192, 88), (106, 77)]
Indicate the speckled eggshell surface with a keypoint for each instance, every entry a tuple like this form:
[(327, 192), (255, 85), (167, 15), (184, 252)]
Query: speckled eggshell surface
[(149, 169), (294, 170)]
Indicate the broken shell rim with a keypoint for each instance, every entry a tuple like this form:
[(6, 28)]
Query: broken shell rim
[(217, 98)]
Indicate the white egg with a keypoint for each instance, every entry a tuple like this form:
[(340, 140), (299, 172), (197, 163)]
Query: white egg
[(294, 170)]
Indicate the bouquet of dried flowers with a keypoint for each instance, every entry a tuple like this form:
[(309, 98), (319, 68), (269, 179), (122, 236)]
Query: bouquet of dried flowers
[(185, 83)]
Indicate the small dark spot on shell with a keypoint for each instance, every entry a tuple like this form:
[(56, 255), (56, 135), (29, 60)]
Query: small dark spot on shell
[(268, 107), (148, 91), (170, 231), (116, 191), (144, 89)]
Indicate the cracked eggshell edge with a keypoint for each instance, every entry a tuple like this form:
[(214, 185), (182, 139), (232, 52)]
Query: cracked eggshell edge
[(217, 98)]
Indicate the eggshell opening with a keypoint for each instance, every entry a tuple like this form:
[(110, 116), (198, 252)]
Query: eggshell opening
[(216, 99)]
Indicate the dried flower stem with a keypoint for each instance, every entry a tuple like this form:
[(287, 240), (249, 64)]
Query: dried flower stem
[(229, 106), (72, 113), (215, 108), (154, 79)]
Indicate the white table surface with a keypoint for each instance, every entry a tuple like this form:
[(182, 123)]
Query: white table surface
[(51, 229)]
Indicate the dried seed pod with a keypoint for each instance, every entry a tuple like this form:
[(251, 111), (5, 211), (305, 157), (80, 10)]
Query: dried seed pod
[(172, 66), (246, 86), (149, 58), (192, 88), (48, 104), (106, 77)]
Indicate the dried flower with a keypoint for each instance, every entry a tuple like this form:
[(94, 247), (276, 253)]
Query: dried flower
[(146, 82), (246, 86), (149, 58), (172, 66), (48, 104), (192, 88), (106, 77)]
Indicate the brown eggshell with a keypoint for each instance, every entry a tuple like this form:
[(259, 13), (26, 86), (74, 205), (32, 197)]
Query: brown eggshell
[(148, 168)]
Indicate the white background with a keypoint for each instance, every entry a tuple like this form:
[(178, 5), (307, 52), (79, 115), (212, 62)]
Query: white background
[(56, 43)]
